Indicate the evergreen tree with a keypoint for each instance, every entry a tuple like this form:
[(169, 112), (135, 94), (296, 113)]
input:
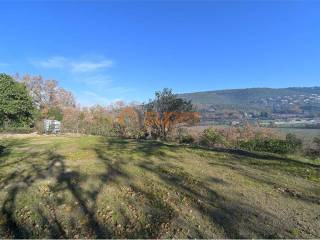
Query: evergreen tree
[(16, 107)]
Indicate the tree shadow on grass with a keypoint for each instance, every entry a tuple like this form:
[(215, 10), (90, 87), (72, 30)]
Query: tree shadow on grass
[(6, 146), (70, 181), (2, 149), (234, 216), (272, 181), (238, 219), (269, 157), (243, 161), (14, 182), (144, 147), (155, 212), (63, 180)]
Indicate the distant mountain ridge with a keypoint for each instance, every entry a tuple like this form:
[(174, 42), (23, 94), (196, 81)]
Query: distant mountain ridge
[(257, 98)]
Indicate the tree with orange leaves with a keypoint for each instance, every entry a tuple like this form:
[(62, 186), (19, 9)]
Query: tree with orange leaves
[(167, 111), (129, 122)]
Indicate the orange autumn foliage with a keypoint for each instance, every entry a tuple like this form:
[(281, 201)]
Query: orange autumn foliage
[(165, 122)]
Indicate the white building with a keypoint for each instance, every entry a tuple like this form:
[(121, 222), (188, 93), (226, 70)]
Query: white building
[(51, 126)]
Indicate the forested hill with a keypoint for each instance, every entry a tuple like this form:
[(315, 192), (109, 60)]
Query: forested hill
[(257, 97)]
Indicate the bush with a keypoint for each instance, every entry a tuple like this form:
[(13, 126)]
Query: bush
[(210, 138), (314, 151), (188, 139), (234, 135), (138, 134), (124, 132), (296, 143), (268, 145), (183, 136)]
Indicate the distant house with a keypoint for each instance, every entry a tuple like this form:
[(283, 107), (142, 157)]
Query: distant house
[(51, 126), (235, 123)]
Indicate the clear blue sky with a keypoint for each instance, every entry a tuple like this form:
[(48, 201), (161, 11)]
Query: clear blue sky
[(104, 51)]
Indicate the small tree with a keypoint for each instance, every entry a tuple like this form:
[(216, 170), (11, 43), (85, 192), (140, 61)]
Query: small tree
[(294, 142), (166, 111), (211, 137), (16, 107)]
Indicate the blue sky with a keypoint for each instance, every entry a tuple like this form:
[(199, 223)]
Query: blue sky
[(108, 50)]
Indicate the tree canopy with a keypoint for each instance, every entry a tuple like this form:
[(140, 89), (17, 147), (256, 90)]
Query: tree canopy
[(16, 107), (167, 101)]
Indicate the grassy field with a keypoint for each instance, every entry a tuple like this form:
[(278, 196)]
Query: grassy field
[(88, 187)]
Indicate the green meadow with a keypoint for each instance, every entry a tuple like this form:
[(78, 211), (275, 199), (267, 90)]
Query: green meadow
[(97, 187)]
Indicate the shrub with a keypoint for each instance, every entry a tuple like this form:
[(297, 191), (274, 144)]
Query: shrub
[(314, 151), (124, 132), (211, 137), (183, 136), (234, 135), (138, 133), (296, 143), (188, 139), (271, 145)]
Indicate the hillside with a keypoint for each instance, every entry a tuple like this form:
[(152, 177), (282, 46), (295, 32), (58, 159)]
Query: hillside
[(257, 98), (97, 187)]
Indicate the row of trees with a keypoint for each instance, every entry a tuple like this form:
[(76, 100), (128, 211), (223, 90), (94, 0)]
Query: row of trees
[(27, 100), (156, 119)]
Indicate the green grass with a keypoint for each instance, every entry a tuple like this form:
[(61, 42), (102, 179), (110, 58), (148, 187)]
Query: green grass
[(96, 187)]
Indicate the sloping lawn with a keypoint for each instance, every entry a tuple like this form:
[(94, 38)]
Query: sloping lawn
[(96, 187)]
